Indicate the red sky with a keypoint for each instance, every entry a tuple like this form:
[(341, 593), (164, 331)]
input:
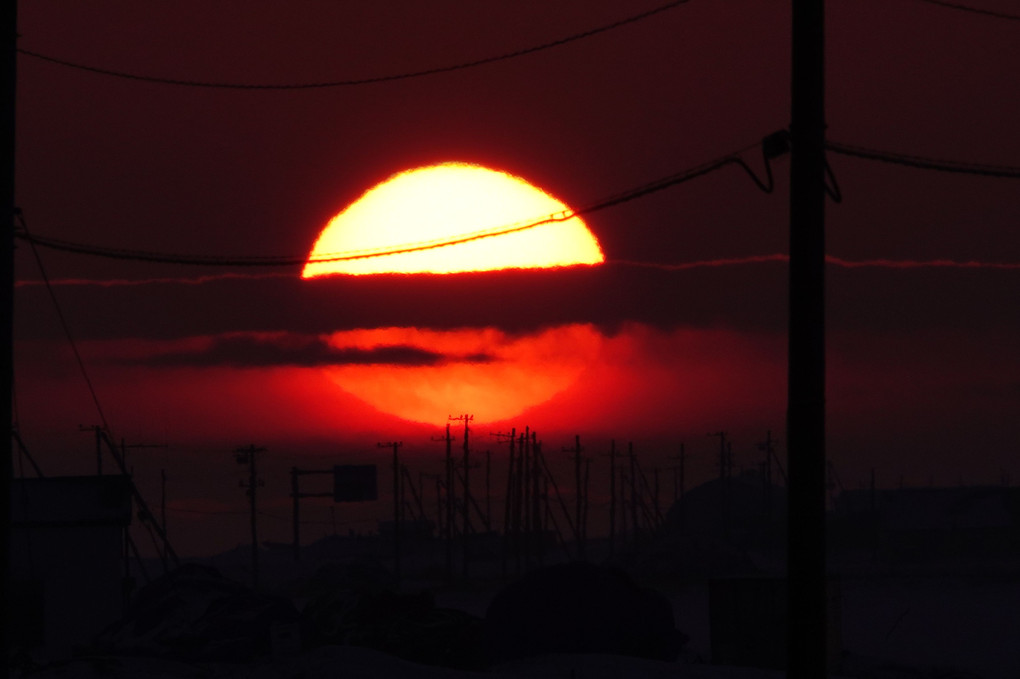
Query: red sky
[(924, 376)]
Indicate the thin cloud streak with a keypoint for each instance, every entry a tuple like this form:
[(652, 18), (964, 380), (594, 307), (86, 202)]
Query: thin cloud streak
[(702, 264), (918, 264), (835, 261), (184, 280), (661, 266), (258, 350)]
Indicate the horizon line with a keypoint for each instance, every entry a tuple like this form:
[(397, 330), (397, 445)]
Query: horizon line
[(876, 263)]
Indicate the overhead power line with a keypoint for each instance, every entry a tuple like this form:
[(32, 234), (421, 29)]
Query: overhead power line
[(974, 10), (925, 163), (183, 82), (772, 146), (634, 193), (64, 324)]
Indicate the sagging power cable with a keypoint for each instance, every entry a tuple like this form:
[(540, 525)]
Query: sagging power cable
[(924, 162), (183, 82), (766, 185)]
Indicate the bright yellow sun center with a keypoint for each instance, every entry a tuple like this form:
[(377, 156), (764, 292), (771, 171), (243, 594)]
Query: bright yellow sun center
[(442, 219)]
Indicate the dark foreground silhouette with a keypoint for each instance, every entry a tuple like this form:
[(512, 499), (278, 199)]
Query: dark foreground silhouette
[(194, 614), (580, 608)]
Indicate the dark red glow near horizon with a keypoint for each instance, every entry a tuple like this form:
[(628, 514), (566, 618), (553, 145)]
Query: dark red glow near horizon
[(493, 375), (573, 377)]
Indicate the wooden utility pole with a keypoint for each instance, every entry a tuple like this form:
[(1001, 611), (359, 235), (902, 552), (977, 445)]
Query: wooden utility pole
[(679, 483), (295, 492), (578, 493), (395, 446), (722, 453), (633, 489), (248, 456), (451, 503), (548, 519), (144, 514), (536, 495), (766, 446), (724, 483), (622, 485), (488, 489), (97, 430), (678, 473), (656, 505), (612, 497), (162, 508), (524, 480), (508, 507), (450, 494), (583, 528), (466, 514), (805, 415)]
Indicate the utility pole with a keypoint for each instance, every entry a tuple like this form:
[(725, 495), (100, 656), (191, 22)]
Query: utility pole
[(679, 483), (612, 497), (162, 485), (578, 493), (536, 497), (509, 504), (622, 485), (247, 456), (543, 524), (295, 492), (805, 416), (488, 489), (584, 514), (395, 445), (724, 482), (524, 480), (97, 429), (162, 508), (144, 514), (767, 446), (466, 514), (656, 506), (449, 501), (678, 473), (722, 453), (633, 489)]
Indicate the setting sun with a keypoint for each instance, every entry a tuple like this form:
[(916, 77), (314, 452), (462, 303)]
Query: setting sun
[(450, 218)]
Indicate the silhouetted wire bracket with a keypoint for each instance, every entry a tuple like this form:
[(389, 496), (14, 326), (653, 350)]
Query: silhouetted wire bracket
[(772, 147), (778, 144)]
